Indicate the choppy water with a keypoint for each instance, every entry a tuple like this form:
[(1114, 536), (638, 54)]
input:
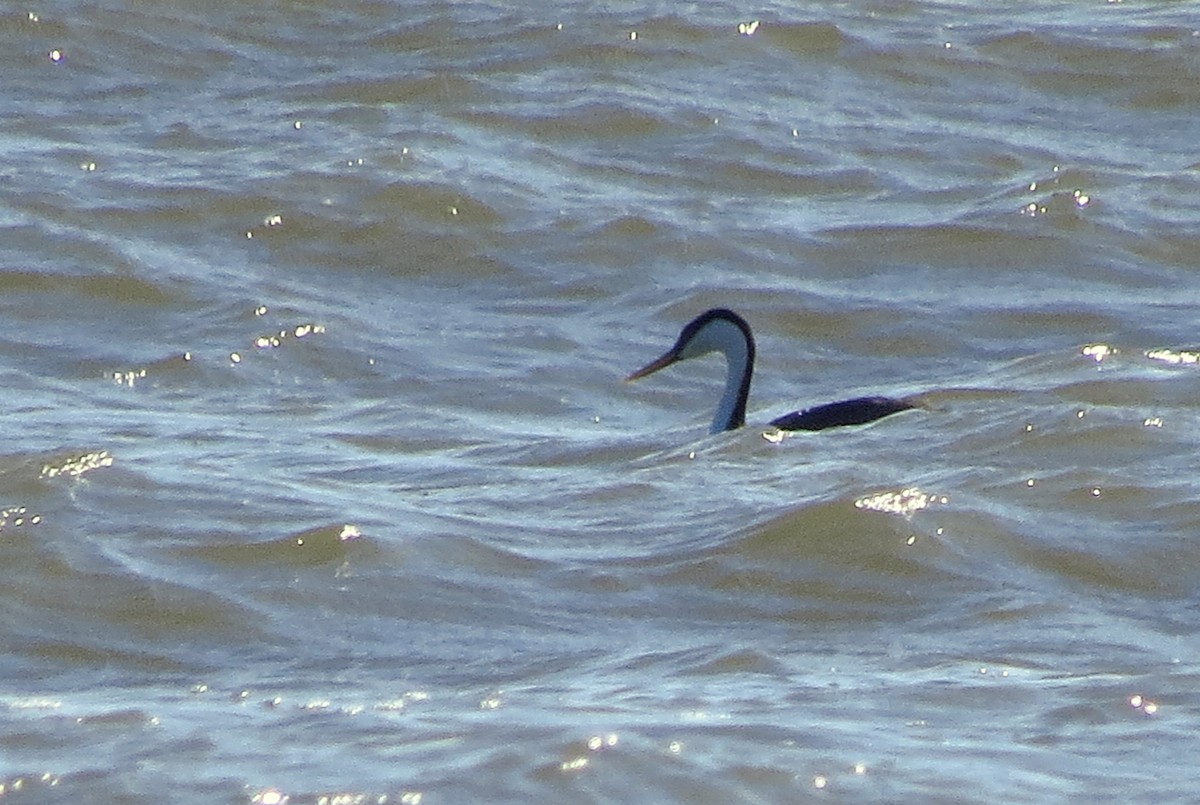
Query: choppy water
[(318, 478)]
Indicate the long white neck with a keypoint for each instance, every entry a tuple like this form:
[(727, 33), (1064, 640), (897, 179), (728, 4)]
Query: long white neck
[(722, 335), (731, 410)]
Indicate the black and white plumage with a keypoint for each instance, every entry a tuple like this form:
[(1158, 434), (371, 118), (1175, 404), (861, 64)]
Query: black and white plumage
[(722, 330)]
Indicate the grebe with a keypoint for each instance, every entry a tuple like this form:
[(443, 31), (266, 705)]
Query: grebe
[(721, 330)]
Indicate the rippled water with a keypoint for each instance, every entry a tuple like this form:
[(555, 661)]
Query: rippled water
[(320, 483)]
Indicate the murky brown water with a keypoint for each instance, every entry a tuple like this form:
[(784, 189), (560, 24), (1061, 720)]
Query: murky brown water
[(319, 477)]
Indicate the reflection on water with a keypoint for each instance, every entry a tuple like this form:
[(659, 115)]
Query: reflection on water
[(320, 483)]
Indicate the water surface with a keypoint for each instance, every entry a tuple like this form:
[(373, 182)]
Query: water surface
[(319, 478)]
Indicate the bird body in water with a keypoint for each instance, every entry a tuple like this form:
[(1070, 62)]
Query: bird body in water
[(722, 330)]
